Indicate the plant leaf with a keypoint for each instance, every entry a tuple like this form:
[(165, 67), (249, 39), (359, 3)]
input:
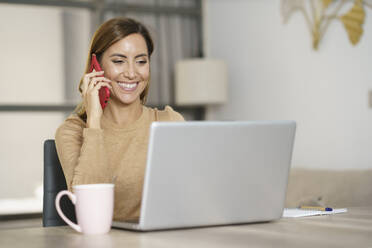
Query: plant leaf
[(288, 7), (326, 3), (353, 21)]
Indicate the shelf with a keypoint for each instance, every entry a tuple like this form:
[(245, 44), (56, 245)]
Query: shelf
[(198, 111)]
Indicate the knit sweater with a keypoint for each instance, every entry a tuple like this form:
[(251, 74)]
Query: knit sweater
[(91, 156)]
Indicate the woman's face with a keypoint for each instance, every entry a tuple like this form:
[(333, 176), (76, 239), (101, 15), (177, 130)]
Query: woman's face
[(126, 64)]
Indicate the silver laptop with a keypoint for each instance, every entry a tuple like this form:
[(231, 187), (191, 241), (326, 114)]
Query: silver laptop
[(214, 173)]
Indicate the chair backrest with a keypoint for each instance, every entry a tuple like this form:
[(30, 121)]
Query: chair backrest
[(54, 181)]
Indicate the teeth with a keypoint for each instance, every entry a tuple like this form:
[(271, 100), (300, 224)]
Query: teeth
[(129, 86)]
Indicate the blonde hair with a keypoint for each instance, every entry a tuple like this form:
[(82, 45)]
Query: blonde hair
[(106, 35)]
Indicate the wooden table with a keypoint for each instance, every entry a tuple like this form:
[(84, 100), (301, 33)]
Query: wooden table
[(352, 229)]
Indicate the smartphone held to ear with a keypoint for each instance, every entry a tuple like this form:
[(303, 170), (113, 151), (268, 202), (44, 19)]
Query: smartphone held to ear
[(104, 92)]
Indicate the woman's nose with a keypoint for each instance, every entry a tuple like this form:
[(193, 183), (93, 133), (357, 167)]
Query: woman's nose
[(130, 71)]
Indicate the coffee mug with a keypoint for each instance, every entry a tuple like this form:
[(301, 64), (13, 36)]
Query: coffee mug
[(94, 207)]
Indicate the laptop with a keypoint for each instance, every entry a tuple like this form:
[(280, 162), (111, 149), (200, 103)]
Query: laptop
[(214, 173)]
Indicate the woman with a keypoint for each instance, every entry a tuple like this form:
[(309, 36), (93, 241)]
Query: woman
[(98, 146)]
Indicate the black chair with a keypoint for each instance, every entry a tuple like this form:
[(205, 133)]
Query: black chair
[(54, 182)]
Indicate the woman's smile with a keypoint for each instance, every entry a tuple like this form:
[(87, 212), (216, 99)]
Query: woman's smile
[(128, 87)]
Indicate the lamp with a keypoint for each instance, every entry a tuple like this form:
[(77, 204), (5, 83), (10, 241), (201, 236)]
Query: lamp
[(200, 81)]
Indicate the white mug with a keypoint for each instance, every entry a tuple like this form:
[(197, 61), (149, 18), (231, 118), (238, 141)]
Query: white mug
[(94, 207)]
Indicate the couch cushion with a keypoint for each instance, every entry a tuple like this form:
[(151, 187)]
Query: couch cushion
[(333, 188)]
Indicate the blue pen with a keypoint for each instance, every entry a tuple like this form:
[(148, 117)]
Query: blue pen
[(316, 208)]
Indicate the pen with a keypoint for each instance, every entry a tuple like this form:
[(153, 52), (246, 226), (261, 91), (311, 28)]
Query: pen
[(316, 208)]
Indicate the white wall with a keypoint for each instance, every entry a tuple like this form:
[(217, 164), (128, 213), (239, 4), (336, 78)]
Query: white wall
[(43, 52), (32, 72), (275, 74), (31, 54)]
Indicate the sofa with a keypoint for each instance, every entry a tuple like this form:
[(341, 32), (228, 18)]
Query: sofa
[(329, 188)]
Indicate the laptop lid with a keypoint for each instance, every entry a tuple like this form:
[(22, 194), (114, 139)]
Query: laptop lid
[(215, 173)]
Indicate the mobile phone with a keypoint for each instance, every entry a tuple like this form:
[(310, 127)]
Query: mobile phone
[(104, 92)]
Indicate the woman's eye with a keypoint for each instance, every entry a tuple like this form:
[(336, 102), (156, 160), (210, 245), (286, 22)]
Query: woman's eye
[(142, 61), (118, 61)]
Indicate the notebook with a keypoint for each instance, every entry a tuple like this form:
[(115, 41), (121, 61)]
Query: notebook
[(296, 212), (214, 173)]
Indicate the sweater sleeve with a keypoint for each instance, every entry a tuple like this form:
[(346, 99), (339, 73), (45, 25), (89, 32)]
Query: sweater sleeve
[(82, 153), (173, 115)]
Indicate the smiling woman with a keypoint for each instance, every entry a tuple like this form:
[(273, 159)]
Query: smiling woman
[(127, 65), (95, 145), (123, 47)]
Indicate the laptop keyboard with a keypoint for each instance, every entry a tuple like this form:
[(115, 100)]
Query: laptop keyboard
[(134, 221)]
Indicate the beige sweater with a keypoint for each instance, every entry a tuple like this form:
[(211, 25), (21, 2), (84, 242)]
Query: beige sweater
[(98, 155)]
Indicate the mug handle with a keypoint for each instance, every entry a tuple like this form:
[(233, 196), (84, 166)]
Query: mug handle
[(58, 208)]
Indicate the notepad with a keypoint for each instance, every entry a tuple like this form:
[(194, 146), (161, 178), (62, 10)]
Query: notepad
[(296, 212)]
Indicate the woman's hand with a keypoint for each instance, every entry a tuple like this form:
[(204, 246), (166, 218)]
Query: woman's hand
[(92, 82)]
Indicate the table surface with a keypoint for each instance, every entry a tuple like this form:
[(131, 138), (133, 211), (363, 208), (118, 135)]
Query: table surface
[(351, 229)]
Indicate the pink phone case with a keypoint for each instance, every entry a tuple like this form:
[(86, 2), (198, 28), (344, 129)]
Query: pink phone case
[(104, 92)]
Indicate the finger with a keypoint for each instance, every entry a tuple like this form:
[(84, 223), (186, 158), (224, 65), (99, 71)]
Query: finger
[(103, 79), (91, 84), (94, 90), (96, 86), (107, 80), (94, 73), (84, 86), (99, 85), (88, 77), (95, 80), (86, 80)]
